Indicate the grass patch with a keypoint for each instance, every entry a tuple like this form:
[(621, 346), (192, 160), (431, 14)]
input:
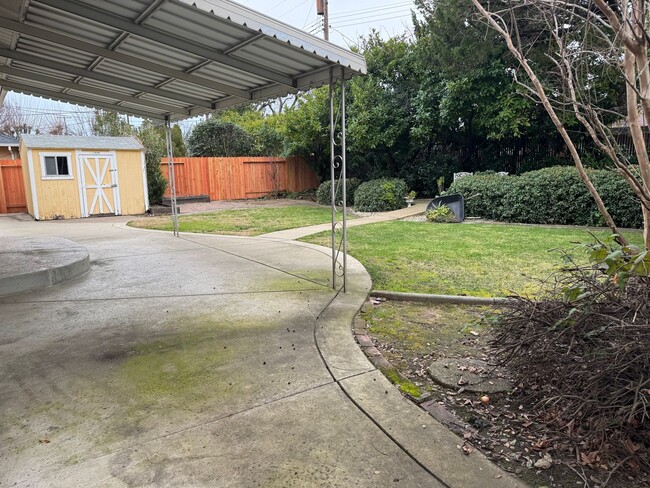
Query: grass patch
[(247, 222), (418, 329), (475, 260)]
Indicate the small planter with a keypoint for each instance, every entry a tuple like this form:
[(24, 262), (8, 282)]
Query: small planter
[(410, 198)]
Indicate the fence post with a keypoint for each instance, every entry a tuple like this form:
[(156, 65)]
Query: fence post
[(3, 194)]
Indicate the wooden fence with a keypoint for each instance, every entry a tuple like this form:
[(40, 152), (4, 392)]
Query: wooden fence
[(12, 188), (238, 178)]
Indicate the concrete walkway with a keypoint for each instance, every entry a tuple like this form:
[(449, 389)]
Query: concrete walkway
[(292, 234), (205, 361)]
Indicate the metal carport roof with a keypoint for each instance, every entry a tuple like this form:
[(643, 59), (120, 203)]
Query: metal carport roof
[(159, 58)]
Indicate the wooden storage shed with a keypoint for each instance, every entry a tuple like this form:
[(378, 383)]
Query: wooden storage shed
[(71, 177)]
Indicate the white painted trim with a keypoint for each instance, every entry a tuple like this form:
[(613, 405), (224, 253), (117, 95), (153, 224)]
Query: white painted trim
[(44, 176), (117, 199), (32, 183), (112, 157), (81, 183), (145, 185)]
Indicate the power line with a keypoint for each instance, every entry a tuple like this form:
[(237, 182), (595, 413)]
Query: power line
[(349, 41), (299, 5), (356, 13), (308, 14), (278, 4), (373, 20)]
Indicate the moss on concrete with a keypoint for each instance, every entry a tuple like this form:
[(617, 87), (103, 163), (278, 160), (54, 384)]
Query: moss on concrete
[(404, 384), (176, 367), (313, 279)]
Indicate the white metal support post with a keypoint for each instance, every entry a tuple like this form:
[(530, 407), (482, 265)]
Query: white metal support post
[(338, 162), (333, 174), (344, 178), (172, 177)]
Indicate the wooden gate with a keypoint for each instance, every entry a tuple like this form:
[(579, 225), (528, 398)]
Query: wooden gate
[(12, 187)]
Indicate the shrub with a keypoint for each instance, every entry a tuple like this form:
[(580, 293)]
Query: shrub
[(441, 214), (324, 192), (216, 138), (583, 358), (380, 195), (484, 194), (555, 195)]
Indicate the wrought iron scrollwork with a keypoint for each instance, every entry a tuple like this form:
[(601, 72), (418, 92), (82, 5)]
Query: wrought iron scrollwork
[(338, 177)]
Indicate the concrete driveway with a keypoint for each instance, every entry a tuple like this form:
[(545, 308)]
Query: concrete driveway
[(205, 361)]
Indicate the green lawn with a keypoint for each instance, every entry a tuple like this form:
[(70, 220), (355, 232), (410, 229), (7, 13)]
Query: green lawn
[(476, 259), (248, 222)]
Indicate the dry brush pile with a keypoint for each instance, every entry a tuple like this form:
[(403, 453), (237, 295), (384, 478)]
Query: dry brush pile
[(582, 355)]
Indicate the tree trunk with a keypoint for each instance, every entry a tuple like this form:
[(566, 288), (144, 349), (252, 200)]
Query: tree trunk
[(539, 89), (646, 227)]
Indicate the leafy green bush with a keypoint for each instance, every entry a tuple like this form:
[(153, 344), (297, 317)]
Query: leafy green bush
[(484, 194), (441, 214), (324, 192), (553, 195), (214, 137), (153, 140), (380, 195)]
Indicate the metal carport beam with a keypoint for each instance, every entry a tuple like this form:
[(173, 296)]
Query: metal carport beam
[(125, 25), (50, 80), (66, 68), (127, 59), (54, 95)]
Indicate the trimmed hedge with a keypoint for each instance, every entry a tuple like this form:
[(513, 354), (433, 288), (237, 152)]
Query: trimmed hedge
[(484, 194), (324, 192), (553, 195), (380, 195)]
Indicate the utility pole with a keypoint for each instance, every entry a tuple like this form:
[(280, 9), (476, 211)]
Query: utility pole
[(322, 8)]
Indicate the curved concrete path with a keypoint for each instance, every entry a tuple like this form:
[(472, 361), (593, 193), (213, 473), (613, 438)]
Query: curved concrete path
[(417, 208), (205, 361)]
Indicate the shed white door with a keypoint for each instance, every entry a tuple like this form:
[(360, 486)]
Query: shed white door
[(98, 184)]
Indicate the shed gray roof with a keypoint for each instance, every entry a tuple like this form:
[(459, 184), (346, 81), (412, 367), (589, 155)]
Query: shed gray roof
[(160, 58), (8, 141), (77, 142)]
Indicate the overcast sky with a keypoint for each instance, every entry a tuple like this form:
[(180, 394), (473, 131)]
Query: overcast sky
[(348, 21)]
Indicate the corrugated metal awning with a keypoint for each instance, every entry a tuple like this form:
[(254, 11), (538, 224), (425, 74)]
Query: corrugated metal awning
[(157, 58)]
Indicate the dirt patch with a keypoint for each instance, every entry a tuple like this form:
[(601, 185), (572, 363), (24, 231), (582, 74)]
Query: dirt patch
[(413, 336)]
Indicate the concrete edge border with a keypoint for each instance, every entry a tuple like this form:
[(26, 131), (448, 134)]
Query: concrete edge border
[(429, 298), (43, 278)]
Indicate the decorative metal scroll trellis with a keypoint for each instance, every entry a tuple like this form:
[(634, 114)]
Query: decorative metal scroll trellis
[(338, 177)]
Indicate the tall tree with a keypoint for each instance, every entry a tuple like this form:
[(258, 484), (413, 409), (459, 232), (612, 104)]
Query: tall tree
[(592, 41), (214, 137), (469, 104), (107, 123), (152, 138)]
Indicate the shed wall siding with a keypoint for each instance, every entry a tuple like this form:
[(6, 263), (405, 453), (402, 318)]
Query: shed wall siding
[(60, 198), (129, 172), (56, 198)]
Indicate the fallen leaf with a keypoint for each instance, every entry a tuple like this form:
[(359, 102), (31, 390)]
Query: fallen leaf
[(589, 458), (467, 449), (545, 462)]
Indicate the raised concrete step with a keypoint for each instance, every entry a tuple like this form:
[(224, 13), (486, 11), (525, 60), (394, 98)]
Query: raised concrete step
[(31, 263)]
